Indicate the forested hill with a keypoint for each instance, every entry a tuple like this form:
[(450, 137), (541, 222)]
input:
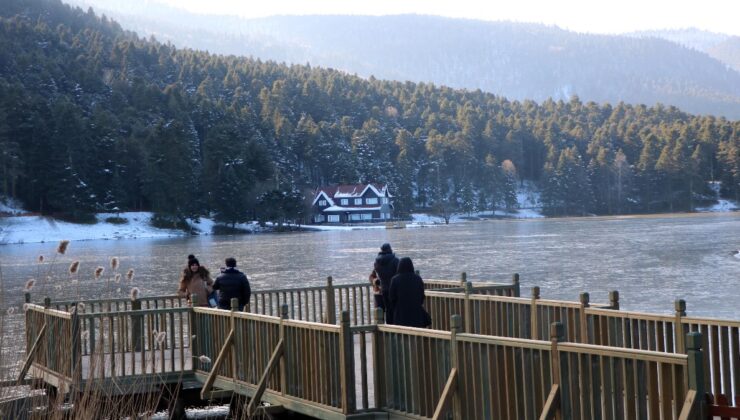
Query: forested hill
[(93, 118), (516, 60), (725, 48)]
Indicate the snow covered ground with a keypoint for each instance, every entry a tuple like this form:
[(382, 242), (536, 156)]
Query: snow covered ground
[(22, 227)]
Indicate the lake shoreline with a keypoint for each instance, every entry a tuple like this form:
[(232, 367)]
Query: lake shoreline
[(22, 229)]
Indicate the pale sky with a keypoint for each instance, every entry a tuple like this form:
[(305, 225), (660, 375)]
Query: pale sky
[(596, 16)]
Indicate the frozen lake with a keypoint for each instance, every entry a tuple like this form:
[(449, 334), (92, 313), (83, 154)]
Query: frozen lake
[(651, 260)]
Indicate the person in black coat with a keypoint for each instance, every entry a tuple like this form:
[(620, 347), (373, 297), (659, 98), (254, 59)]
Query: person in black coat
[(232, 283), (386, 266), (406, 296)]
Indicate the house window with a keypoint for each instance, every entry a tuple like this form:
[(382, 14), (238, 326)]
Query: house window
[(344, 201), (333, 218), (371, 201), (358, 201), (367, 216), (322, 202), (385, 216), (355, 216), (385, 200)]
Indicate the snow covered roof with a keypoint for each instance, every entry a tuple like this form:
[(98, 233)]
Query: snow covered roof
[(351, 191), (340, 208)]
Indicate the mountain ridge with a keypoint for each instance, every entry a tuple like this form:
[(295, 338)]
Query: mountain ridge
[(516, 60)]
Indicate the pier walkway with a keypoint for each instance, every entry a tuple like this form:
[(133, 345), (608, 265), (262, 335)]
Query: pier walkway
[(325, 352)]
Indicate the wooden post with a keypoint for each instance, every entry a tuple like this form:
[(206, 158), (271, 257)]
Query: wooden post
[(696, 370), (76, 366), (331, 314), (515, 282), (137, 323), (232, 324), (347, 365), (584, 298), (27, 297), (455, 326), (463, 278), (378, 361), (468, 308), (534, 333), (283, 372), (680, 306), (614, 299), (556, 336)]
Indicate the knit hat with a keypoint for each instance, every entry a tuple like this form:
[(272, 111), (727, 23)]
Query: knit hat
[(192, 261), (386, 247)]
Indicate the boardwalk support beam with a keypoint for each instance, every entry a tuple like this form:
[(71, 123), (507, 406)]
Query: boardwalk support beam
[(31, 354), (444, 401), (275, 359), (225, 350), (552, 405)]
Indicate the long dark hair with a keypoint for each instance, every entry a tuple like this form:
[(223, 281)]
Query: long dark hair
[(405, 265)]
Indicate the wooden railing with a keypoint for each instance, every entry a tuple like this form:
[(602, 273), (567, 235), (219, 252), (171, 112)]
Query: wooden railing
[(490, 315), (120, 304), (325, 303), (635, 330), (73, 347), (51, 344), (135, 342), (294, 363)]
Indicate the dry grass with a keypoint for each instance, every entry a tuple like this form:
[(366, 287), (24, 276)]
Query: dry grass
[(94, 394)]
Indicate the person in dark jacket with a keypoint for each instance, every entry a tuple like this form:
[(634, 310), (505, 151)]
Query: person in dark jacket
[(385, 267), (406, 296), (232, 283)]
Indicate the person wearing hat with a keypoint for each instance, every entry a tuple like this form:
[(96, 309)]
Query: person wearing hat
[(195, 280), (386, 265)]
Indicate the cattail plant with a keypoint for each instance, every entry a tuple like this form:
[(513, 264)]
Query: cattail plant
[(40, 259), (117, 278), (73, 269), (62, 247), (29, 285), (204, 359), (134, 293), (99, 272), (130, 274), (114, 263)]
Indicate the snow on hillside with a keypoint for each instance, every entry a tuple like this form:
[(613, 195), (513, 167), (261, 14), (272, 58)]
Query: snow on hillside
[(26, 229)]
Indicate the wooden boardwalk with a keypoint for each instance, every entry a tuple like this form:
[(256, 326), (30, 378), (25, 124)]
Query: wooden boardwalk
[(325, 352)]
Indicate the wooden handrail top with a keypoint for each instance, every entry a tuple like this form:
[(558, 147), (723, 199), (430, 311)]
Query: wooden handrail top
[(505, 341), (625, 353), (419, 332), (711, 321), (644, 316), (507, 299), (442, 293), (48, 311), (314, 326), (142, 312), (456, 283), (348, 285), (114, 300), (558, 303), (238, 314), (289, 290)]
